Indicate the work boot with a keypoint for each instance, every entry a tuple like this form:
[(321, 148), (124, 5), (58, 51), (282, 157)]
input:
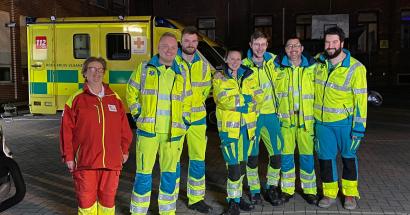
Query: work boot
[(201, 207), (256, 199), (285, 197), (311, 199), (245, 206), (350, 203), (326, 202), (272, 196), (233, 208)]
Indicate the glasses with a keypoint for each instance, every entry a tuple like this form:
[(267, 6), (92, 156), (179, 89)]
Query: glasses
[(296, 46), (168, 48), (95, 69)]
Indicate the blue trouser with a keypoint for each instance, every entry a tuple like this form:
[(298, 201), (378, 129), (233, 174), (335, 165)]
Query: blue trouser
[(267, 129), (330, 140)]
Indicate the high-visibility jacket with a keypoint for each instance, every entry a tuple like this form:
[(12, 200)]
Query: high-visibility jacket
[(287, 93), (94, 131), (200, 78), (142, 97), (265, 76), (237, 101), (341, 94)]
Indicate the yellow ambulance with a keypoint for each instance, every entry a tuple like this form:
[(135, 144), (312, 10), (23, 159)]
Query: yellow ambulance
[(57, 47)]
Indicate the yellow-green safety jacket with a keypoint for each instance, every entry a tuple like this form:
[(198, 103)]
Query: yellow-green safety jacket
[(341, 94), (142, 97), (200, 78), (266, 76), (237, 102), (286, 92)]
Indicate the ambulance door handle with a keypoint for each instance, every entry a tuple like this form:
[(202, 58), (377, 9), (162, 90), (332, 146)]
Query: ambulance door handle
[(36, 65)]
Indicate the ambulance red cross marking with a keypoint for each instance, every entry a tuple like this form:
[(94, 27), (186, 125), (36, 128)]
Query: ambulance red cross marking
[(139, 43)]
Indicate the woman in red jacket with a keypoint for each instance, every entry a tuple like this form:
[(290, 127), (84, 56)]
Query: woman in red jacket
[(94, 139)]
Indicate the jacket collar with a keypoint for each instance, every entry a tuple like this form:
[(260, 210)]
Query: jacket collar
[(345, 62), (155, 63), (196, 56), (266, 56)]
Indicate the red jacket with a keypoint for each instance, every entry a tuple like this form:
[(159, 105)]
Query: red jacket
[(94, 131)]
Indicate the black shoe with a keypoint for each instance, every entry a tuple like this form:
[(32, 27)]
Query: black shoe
[(201, 207), (245, 206), (311, 199), (256, 199), (272, 196), (285, 197), (233, 208)]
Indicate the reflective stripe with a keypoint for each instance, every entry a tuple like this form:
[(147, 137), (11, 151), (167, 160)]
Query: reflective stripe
[(333, 110), (252, 173), (251, 125), (272, 181), (146, 119), (165, 197), (237, 100), (196, 192), (140, 199), (283, 94), (266, 85), (234, 193), (307, 177), (185, 114), (308, 96), (167, 207), (309, 117), (196, 183), (143, 74), (283, 115), (138, 209), (233, 186), (198, 109), (135, 106), (287, 184), (163, 112), (176, 97), (178, 125), (258, 92), (253, 182), (188, 93), (201, 84), (360, 91), (331, 85), (350, 73), (166, 97), (360, 119), (309, 185), (221, 94), (288, 175), (204, 68), (219, 123), (232, 124), (149, 92), (134, 84), (268, 97), (273, 174)]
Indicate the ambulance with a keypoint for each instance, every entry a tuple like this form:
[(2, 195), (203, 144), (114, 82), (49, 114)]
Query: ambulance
[(57, 47)]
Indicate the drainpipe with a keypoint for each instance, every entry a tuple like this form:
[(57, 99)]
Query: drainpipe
[(13, 49)]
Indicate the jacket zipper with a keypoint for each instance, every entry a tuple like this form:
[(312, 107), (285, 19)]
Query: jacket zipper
[(103, 129), (76, 154), (324, 92), (98, 113)]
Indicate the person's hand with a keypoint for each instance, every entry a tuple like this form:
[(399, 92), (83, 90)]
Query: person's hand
[(70, 166), (124, 158)]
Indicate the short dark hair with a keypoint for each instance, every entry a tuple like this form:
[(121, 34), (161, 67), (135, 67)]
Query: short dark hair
[(293, 37), (190, 30), (257, 35), (233, 49), (335, 31), (93, 59)]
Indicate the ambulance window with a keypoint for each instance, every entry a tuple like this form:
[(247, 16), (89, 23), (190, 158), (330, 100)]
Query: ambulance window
[(210, 54), (118, 46), (81, 46)]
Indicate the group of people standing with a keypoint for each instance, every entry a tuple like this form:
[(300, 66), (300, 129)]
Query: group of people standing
[(288, 100)]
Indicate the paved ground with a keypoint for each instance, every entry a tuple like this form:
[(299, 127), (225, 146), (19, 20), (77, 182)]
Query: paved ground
[(384, 170)]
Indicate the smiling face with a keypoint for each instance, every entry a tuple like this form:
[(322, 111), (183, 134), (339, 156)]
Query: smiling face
[(259, 47), (333, 45), (167, 49), (234, 60), (94, 73), (189, 43), (294, 49)]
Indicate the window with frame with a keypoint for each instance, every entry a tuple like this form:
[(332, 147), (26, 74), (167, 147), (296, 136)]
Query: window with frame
[(304, 26), (207, 27), (81, 46), (118, 46), (405, 30), (264, 25), (5, 74), (367, 41)]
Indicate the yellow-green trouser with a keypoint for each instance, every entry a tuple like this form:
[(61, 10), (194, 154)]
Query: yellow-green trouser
[(96, 209), (196, 141), (235, 153), (267, 129), (292, 136), (146, 152)]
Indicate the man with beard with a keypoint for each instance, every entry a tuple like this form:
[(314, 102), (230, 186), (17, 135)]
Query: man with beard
[(340, 111), (200, 79)]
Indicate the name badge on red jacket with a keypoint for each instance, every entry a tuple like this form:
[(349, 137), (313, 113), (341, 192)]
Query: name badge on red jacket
[(112, 108)]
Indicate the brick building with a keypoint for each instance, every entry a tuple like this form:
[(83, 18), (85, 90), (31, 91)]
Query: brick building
[(13, 45), (379, 30)]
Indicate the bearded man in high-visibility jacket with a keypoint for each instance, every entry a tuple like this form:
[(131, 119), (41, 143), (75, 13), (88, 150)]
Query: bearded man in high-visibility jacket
[(159, 98), (295, 91), (340, 111), (200, 78)]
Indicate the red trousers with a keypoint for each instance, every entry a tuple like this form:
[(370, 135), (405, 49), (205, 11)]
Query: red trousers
[(93, 184)]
